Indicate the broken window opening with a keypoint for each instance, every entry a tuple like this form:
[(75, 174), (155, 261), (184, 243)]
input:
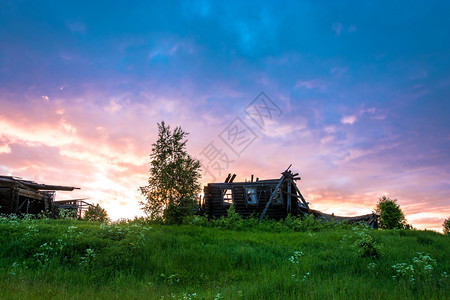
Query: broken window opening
[(277, 198), (227, 195), (251, 196)]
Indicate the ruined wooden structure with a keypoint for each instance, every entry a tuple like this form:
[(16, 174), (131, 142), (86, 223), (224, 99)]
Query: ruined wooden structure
[(272, 198), (76, 206), (369, 219), (18, 196)]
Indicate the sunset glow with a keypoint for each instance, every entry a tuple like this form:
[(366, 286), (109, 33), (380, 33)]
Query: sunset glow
[(359, 92)]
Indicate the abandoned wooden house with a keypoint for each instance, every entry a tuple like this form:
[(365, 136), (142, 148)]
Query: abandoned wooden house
[(18, 196), (274, 198)]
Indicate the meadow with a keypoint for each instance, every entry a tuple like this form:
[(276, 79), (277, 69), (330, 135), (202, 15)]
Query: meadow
[(225, 259)]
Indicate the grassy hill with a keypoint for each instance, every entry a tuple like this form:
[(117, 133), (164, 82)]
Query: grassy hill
[(67, 259)]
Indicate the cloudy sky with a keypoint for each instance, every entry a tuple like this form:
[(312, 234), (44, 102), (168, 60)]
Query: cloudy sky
[(355, 95)]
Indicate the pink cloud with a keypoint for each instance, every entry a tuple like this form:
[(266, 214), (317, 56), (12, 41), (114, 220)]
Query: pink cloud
[(349, 119), (5, 148), (106, 153)]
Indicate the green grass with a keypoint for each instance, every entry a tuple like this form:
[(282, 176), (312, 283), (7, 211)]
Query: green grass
[(63, 259)]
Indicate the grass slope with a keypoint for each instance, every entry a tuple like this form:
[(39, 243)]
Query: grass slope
[(63, 259)]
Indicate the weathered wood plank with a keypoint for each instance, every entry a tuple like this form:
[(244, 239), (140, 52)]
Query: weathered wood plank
[(271, 197), (31, 194)]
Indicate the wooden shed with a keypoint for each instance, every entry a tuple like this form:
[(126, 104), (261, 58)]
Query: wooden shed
[(20, 196)]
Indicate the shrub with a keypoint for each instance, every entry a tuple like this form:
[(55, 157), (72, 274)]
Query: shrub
[(365, 245), (232, 221), (424, 264), (67, 214), (421, 268), (87, 260), (403, 271), (96, 213), (391, 216), (196, 221), (175, 214), (446, 226)]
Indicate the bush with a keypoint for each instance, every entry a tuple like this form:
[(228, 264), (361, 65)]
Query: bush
[(232, 221), (96, 213), (66, 214), (307, 223), (200, 221), (391, 216), (175, 214), (446, 226), (365, 245), (422, 268)]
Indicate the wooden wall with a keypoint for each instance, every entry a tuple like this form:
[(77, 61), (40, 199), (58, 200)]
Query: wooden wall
[(18, 200), (215, 207)]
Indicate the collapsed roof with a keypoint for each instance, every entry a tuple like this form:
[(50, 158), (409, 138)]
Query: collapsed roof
[(24, 196)]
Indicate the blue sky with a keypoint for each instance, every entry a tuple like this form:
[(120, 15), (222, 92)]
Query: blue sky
[(363, 86)]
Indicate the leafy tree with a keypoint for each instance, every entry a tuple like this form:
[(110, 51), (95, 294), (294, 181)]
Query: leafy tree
[(391, 215), (96, 213), (446, 226), (173, 183)]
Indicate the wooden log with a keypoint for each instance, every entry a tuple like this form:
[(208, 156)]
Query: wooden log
[(31, 194), (301, 197), (271, 197), (289, 196)]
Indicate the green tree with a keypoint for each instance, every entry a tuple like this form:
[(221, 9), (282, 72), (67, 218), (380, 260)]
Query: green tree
[(391, 215), (96, 213), (446, 226), (173, 184)]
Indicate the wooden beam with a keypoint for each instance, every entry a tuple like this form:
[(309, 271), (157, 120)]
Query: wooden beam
[(271, 198), (228, 178), (232, 178), (31, 194), (15, 200), (293, 195), (289, 183), (301, 197), (20, 206), (52, 187)]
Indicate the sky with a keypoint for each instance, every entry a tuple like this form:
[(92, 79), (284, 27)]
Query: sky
[(354, 94)]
